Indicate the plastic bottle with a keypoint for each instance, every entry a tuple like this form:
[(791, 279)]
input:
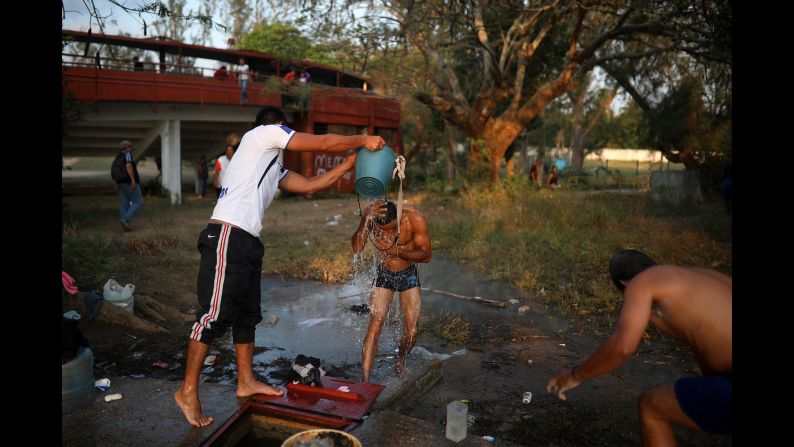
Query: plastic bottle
[(456, 421)]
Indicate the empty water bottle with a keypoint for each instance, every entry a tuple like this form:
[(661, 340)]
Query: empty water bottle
[(456, 421)]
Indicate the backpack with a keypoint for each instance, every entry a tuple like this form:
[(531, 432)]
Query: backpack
[(118, 170)]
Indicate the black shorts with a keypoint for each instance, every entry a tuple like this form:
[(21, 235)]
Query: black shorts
[(707, 400), (399, 281), (229, 281)]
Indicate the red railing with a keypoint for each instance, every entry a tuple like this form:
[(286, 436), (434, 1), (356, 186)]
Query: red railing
[(93, 84)]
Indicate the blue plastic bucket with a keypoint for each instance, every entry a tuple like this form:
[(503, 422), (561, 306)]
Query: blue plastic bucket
[(374, 172)]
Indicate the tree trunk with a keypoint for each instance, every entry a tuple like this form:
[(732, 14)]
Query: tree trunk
[(577, 148), (499, 134), (509, 167), (451, 155), (524, 148)]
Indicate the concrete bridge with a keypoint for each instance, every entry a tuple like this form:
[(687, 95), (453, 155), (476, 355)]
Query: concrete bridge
[(183, 112)]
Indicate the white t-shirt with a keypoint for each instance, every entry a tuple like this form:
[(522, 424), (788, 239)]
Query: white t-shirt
[(243, 69), (221, 166), (252, 177)]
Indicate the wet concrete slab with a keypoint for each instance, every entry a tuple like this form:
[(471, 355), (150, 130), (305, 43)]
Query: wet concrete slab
[(391, 429), (399, 393), (146, 415)]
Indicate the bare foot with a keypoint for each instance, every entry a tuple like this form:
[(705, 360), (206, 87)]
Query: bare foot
[(190, 405), (402, 370), (256, 387)]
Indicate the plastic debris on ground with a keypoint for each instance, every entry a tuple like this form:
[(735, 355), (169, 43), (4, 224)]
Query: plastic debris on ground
[(102, 384), (112, 397), (489, 438), (523, 309), (211, 360), (71, 315), (512, 301), (422, 352), (160, 364), (527, 397), (272, 320), (137, 355)]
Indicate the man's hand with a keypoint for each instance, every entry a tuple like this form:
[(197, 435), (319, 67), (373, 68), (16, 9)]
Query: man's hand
[(562, 382), (376, 209), (374, 143)]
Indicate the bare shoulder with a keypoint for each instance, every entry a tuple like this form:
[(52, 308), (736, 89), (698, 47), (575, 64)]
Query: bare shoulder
[(658, 277), (415, 216), (671, 277)]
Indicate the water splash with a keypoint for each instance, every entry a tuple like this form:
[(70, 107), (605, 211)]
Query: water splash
[(364, 271)]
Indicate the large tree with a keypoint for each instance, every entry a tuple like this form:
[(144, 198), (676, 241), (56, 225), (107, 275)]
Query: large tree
[(491, 66)]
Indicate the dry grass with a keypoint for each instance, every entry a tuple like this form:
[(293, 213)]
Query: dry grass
[(552, 246), (450, 327), (555, 246)]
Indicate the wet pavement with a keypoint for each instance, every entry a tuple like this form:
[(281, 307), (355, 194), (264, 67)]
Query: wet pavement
[(514, 352), (323, 321)]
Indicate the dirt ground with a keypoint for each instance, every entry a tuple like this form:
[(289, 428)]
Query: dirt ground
[(506, 356)]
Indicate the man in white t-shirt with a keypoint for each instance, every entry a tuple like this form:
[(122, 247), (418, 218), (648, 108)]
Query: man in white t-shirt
[(242, 78), (230, 272), (220, 168)]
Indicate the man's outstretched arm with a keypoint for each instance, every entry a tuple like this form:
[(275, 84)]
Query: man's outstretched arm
[(294, 182), (333, 143), (633, 320)]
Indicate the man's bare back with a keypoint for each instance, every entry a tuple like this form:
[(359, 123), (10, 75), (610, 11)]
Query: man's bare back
[(694, 305)]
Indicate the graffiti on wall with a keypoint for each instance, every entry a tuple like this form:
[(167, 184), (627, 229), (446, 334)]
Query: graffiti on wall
[(324, 163)]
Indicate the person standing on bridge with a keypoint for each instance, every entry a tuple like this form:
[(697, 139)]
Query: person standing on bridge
[(230, 270), (243, 72)]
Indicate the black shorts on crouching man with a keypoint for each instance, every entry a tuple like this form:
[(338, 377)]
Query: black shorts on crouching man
[(228, 285)]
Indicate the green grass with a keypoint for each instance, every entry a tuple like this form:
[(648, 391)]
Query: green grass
[(556, 245)]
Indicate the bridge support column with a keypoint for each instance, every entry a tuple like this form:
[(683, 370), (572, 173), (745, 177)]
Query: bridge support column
[(172, 160)]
